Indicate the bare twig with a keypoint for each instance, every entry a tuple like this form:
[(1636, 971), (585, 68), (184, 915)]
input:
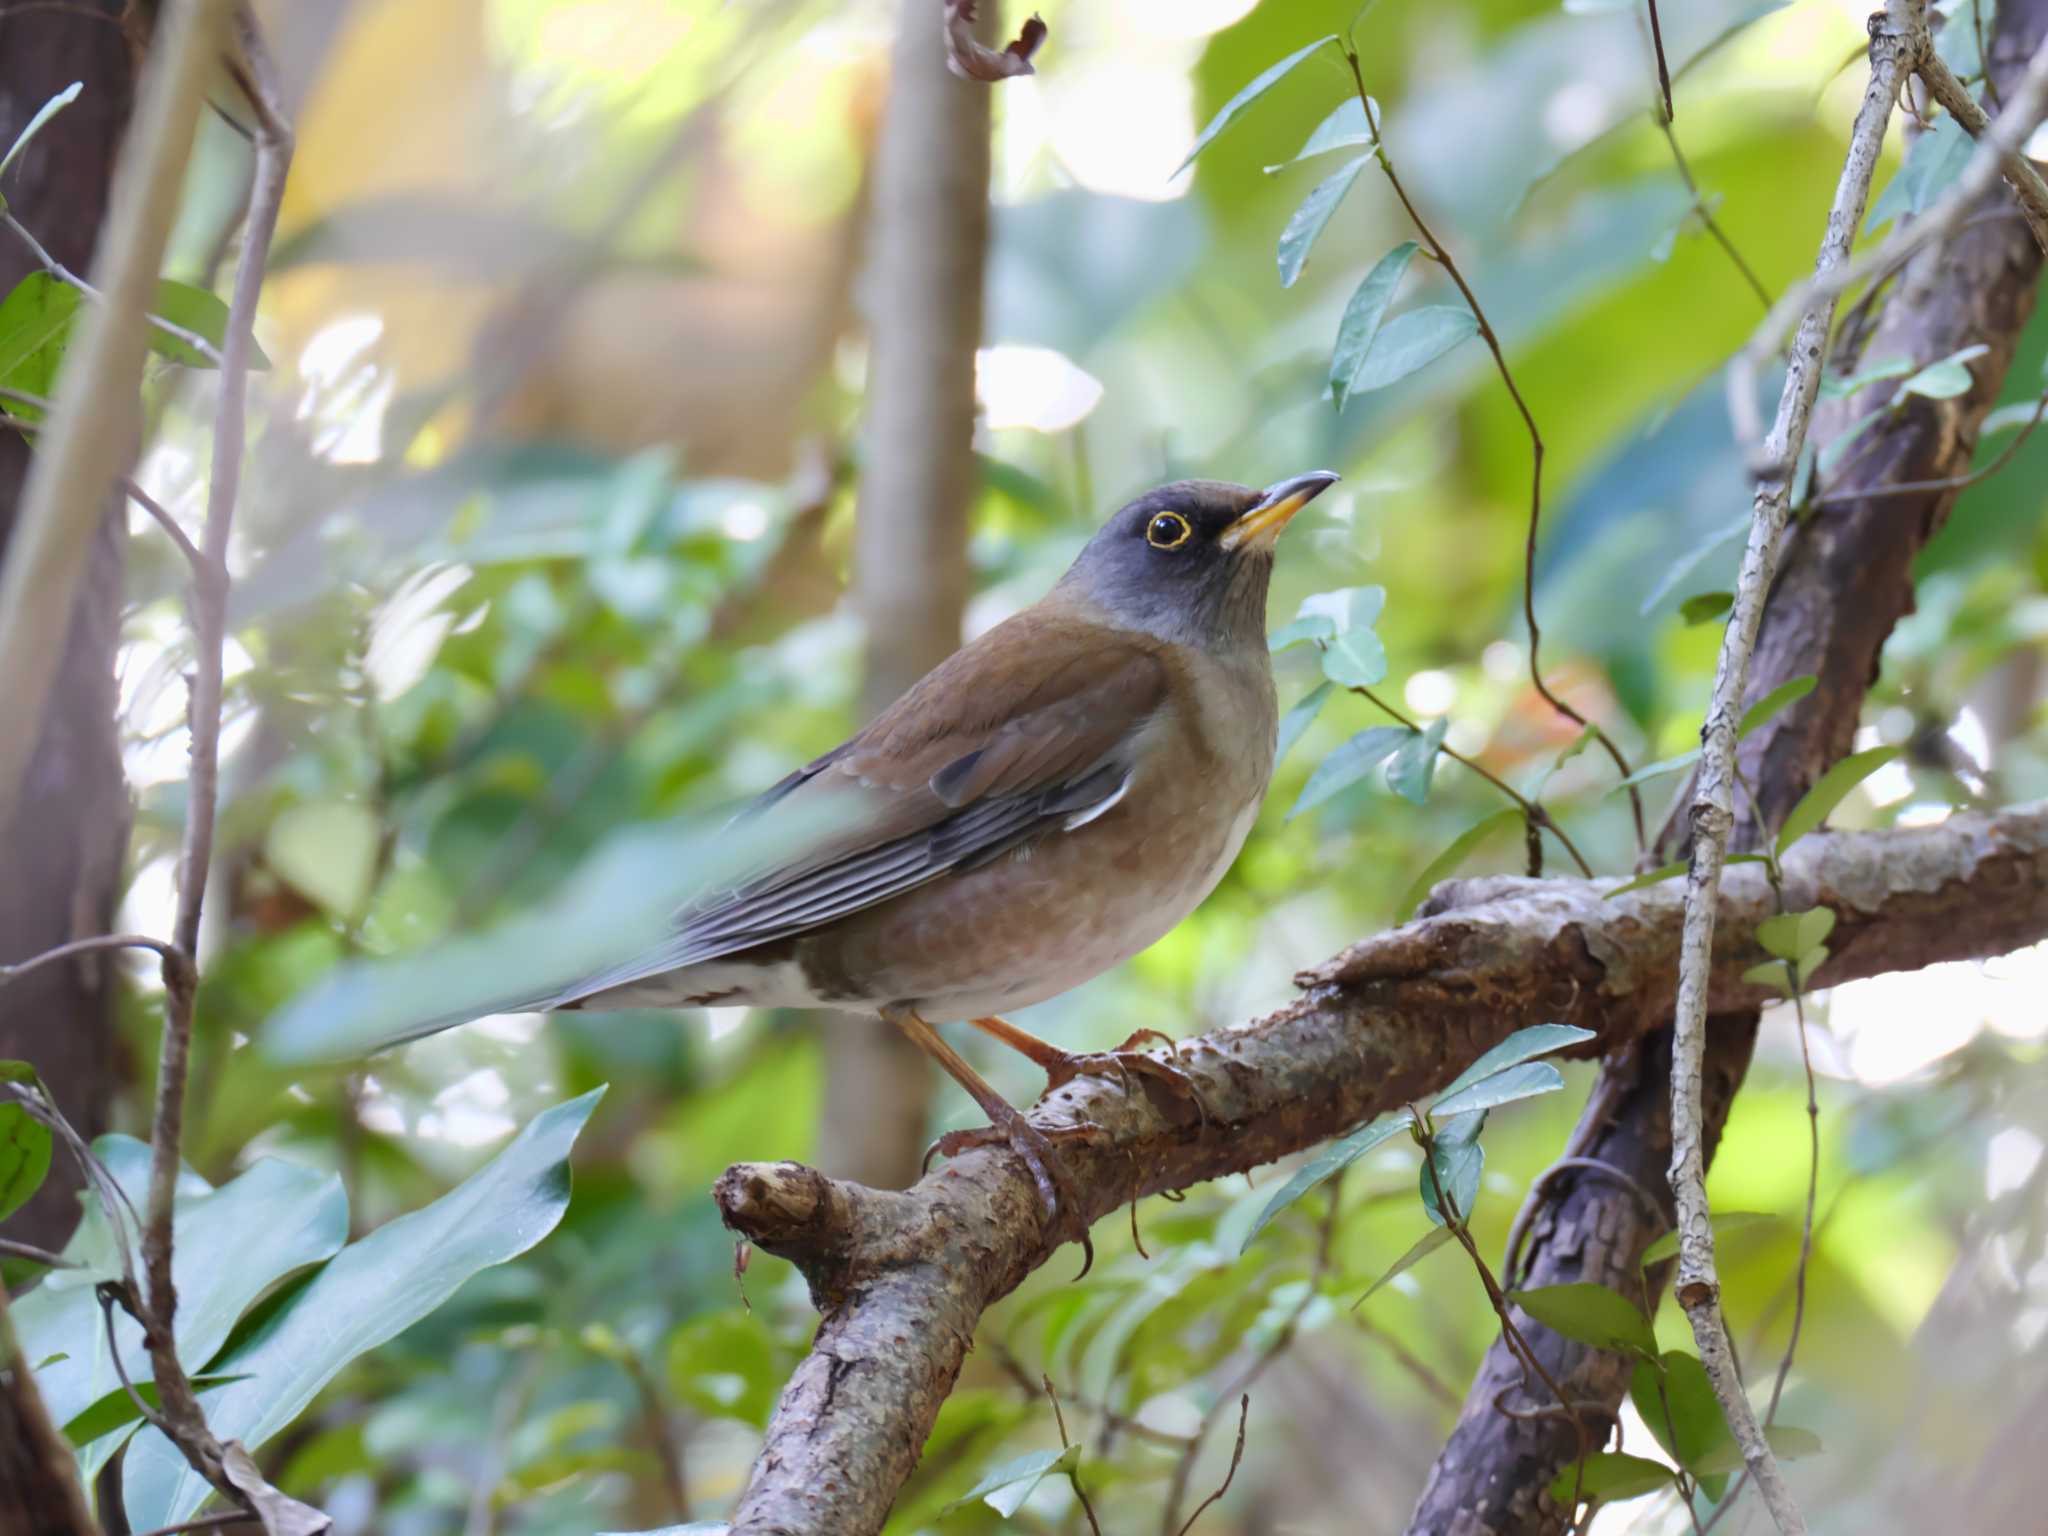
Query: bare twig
[(1700, 209), (35, 1255), (1442, 257), (1073, 1477), (1895, 44), (185, 1421), (98, 404), (69, 278), (2018, 170), (173, 957), (108, 1293), (1663, 69), (1244, 1409)]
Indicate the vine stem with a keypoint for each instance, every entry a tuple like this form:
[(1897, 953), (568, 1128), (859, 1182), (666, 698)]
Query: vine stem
[(1442, 258), (1896, 42)]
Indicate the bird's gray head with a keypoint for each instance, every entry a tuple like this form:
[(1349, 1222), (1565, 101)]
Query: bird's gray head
[(1190, 562)]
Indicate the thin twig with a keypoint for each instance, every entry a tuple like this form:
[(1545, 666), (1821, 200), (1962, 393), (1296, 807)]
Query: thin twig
[(1534, 811), (1705, 214), (1663, 69), (209, 622), (69, 278), (35, 1255), (1442, 257), (173, 957), (1518, 1232), (1244, 1409), (1895, 43), (2027, 185), (1952, 482), (108, 1291), (1073, 1477)]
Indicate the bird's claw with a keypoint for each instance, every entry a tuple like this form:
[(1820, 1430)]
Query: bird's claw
[(1125, 1060), (1034, 1147)]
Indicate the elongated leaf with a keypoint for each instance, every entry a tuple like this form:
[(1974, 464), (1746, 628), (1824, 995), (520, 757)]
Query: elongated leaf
[(1421, 1249), (1339, 1154), (1453, 1167), (200, 311), (1234, 108), (1677, 1401), (1691, 561), (1409, 770), (1348, 764), (1833, 388), (1345, 128), (1933, 162), (1658, 769), (1006, 1487), (1356, 659), (1298, 719), (1591, 1314), (1946, 378), (1833, 788), (1346, 608), (1791, 691), (44, 113), (117, 1409), (1724, 1222), (1655, 877), (1410, 342), (1306, 226), (1788, 1442), (1445, 863), (1703, 607), (1791, 935), (35, 326), (1610, 1475), (24, 1141), (274, 1218), (1362, 317), (1525, 1081), (368, 1293), (1523, 1045)]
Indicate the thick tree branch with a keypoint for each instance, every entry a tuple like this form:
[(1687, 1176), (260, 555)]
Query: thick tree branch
[(904, 1277)]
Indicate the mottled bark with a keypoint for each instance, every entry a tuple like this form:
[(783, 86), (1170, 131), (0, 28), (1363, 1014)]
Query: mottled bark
[(903, 1278), (63, 848), (922, 296)]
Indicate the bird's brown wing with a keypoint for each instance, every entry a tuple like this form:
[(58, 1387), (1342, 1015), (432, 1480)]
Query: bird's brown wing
[(1025, 732)]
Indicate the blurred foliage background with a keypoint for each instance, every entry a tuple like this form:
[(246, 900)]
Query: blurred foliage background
[(545, 539)]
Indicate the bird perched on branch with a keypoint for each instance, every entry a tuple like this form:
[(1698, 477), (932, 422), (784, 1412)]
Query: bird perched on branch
[(1048, 801), (1044, 804)]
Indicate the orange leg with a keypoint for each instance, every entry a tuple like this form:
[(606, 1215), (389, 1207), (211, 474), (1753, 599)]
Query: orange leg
[(1064, 1066)]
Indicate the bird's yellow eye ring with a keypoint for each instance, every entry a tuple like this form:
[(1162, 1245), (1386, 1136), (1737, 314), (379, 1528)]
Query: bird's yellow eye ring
[(1168, 530)]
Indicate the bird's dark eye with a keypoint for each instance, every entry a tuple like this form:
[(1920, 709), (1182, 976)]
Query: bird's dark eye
[(1167, 530)]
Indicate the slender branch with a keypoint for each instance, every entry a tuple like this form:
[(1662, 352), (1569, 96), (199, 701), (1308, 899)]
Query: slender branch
[(1244, 1411), (1442, 257), (1947, 482), (1699, 204), (2006, 134), (181, 1410), (174, 959), (1663, 69), (36, 1255), (1894, 46), (93, 427), (903, 1277), (2018, 170), (69, 278), (1531, 809)]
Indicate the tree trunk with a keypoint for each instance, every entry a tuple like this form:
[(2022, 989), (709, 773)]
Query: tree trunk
[(39, 1492), (63, 849), (930, 232)]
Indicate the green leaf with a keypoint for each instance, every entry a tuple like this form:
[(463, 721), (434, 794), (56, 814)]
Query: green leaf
[(1591, 1314), (1408, 773), (1610, 1475), (1298, 719), (1525, 1081), (1348, 764), (1362, 317), (117, 1409), (201, 311), (1947, 378), (1440, 867), (1933, 162), (1312, 626), (1724, 1222), (44, 113), (1834, 786), (1791, 691), (1693, 1426), (1788, 1442), (1458, 1159), (1005, 1488), (1356, 659), (1410, 342), (1691, 561), (2007, 418), (1345, 128), (1794, 935), (1334, 1158), (1306, 226), (275, 1218), (1523, 1045), (370, 1292), (1345, 608), (1419, 1250), (1654, 877), (35, 326), (1769, 973), (24, 1140), (1657, 770), (1234, 107), (1834, 388), (1704, 607)]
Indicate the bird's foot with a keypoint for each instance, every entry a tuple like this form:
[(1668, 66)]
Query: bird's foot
[(1034, 1146), (1165, 1082)]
